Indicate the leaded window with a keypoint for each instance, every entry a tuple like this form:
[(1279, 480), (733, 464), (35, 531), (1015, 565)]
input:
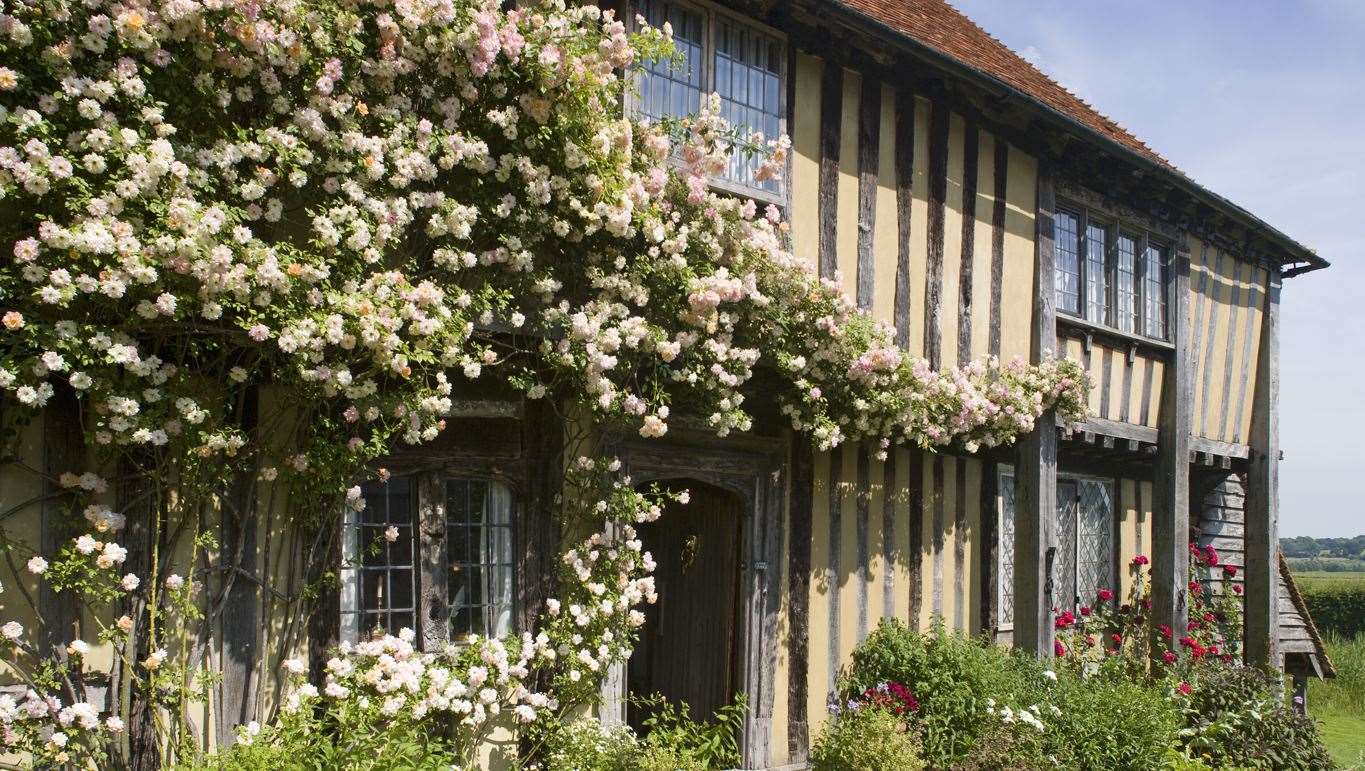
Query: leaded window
[(1126, 288), (388, 569), (1084, 561), (1068, 262), (721, 53), (1154, 296), (1108, 274), (378, 571)]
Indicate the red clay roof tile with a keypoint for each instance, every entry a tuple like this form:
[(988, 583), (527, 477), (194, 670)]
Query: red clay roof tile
[(948, 31)]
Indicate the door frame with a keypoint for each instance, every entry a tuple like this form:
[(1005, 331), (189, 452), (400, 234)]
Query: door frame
[(753, 468)]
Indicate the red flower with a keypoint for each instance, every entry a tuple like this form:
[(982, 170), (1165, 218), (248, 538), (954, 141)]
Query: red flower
[(1065, 620), (1085, 610), (1185, 688), (1236, 588), (1230, 571), (1105, 595), (1196, 587), (1210, 556), (1209, 617), (1090, 641), (1168, 657), (1058, 648), (1140, 559), (1116, 637), (1165, 631)]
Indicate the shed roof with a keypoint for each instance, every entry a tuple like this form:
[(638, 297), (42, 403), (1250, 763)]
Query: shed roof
[(938, 26)]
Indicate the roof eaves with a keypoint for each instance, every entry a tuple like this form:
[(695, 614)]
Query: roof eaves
[(1303, 259)]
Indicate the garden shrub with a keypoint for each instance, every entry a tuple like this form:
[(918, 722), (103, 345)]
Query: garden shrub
[(1104, 722), (1234, 718), (867, 739), (1336, 606), (952, 676)]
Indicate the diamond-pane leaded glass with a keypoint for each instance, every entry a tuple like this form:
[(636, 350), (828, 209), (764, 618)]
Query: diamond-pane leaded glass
[(1064, 564), (1094, 540), (1005, 575)]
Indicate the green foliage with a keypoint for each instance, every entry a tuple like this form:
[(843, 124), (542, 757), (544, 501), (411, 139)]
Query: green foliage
[(1234, 718), (1336, 606), (1307, 546), (1339, 704), (866, 740), (951, 675), (1103, 722), (365, 743), (710, 744), (674, 741)]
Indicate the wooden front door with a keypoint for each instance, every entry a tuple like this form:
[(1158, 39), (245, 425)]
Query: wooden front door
[(687, 650)]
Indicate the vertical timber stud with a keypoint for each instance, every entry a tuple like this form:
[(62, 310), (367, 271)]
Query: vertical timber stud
[(1263, 491), (1171, 488), (802, 494), (905, 172), (938, 194), (869, 142), (1035, 518), (831, 122), (63, 451), (240, 622)]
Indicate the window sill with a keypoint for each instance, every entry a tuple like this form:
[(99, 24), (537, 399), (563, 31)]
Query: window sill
[(1064, 318)]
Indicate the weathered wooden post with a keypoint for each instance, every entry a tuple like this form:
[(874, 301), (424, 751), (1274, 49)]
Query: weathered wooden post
[(1263, 491), (1035, 517), (1171, 512)]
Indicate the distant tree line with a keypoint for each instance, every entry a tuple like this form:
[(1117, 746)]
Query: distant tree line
[(1306, 546)]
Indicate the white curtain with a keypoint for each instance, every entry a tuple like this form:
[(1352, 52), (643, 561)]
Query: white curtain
[(497, 584), (350, 576)]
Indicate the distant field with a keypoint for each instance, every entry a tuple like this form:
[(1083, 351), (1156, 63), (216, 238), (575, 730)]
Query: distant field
[(1305, 577)]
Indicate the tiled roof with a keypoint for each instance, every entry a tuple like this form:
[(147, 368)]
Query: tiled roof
[(948, 31)]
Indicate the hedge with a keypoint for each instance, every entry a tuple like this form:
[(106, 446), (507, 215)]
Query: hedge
[(1336, 606)]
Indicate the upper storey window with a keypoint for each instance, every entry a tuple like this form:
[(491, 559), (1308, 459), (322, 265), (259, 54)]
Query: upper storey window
[(1109, 273), (724, 54)]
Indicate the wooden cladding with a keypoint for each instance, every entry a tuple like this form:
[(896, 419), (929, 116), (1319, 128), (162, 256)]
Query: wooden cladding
[(922, 217)]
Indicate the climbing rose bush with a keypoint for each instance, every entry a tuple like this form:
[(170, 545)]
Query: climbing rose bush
[(362, 205)]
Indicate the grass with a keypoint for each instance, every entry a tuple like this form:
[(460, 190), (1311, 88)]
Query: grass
[(1318, 577), (1340, 703)]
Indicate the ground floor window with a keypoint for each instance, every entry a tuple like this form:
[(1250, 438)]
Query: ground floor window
[(1084, 562), (385, 572)]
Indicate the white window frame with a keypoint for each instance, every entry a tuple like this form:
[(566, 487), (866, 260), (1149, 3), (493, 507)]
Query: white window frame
[(1005, 481), (713, 13)]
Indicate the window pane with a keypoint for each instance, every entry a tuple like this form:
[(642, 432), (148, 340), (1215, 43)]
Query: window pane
[(378, 586), (1094, 541), (1154, 288), (1125, 289), (1096, 278), (748, 77), (1068, 269), (666, 88), (1064, 565), (480, 581)]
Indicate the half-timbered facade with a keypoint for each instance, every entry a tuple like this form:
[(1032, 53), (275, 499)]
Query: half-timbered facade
[(977, 208)]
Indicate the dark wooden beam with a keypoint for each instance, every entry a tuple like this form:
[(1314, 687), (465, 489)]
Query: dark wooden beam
[(63, 452), (1035, 518), (798, 582), (1001, 171), (970, 150), (1263, 493), (1171, 488), (905, 172), (864, 508), (831, 124), (933, 274), (240, 623), (869, 144)]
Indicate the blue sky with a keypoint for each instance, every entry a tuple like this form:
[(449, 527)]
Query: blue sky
[(1263, 102)]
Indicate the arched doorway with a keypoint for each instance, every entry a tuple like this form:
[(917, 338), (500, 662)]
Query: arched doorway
[(688, 650)]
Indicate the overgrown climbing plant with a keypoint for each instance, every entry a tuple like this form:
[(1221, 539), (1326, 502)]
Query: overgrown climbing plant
[(359, 206)]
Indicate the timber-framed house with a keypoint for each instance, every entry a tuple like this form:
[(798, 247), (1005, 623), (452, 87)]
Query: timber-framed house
[(978, 208)]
